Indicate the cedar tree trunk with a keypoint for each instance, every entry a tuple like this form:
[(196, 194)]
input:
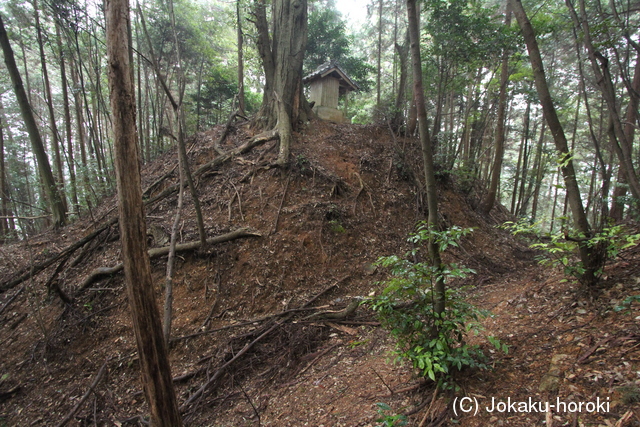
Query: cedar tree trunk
[(282, 53), (154, 362), (427, 155), (590, 257), (56, 203)]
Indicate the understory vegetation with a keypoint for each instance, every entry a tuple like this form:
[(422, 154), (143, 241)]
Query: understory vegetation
[(434, 343)]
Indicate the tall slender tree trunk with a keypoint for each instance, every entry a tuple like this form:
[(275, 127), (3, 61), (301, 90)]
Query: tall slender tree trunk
[(67, 120), (600, 66), (538, 167), (490, 198), (82, 140), (590, 257), (55, 142), (58, 211), (617, 206), (379, 60), (427, 155), (240, 59), (154, 361), (522, 160), (178, 109), (4, 199)]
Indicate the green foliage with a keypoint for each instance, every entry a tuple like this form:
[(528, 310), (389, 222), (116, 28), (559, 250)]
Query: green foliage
[(434, 343), (561, 249), (389, 420), (626, 304), (328, 41), (336, 226)]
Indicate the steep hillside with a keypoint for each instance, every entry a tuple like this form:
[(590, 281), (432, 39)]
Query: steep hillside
[(256, 302)]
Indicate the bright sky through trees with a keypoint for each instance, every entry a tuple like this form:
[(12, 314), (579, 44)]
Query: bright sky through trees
[(354, 11)]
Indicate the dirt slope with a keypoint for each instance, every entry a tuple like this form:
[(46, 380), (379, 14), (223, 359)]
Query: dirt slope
[(349, 197)]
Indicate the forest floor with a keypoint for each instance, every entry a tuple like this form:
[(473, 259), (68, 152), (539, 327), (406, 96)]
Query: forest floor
[(260, 303)]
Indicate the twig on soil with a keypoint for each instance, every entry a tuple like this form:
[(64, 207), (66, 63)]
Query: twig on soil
[(215, 302), (426, 415), (195, 396), (315, 359), (588, 352), (384, 382), (6, 304), (95, 313), (239, 201), (86, 395), (33, 269), (198, 393), (284, 194), (255, 410)]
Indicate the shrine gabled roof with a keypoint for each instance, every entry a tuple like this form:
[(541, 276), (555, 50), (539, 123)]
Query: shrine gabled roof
[(331, 68)]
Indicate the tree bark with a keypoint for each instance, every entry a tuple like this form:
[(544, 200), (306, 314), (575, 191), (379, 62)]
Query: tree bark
[(156, 372), (56, 203), (67, 120), (4, 223), (617, 206), (590, 259), (379, 59), (55, 142), (427, 155), (241, 105), (490, 198), (600, 65), (282, 55)]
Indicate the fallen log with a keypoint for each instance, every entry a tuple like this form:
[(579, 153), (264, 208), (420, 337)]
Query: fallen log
[(159, 252)]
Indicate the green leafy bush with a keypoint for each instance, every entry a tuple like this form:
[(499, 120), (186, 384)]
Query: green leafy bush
[(561, 249), (434, 343), (389, 420)]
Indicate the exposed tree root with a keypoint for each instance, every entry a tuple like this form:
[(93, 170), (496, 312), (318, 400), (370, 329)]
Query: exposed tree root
[(158, 252), (33, 270)]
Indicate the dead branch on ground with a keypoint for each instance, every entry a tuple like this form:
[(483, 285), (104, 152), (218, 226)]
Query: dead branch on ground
[(263, 332), (93, 385), (159, 252), (33, 270)]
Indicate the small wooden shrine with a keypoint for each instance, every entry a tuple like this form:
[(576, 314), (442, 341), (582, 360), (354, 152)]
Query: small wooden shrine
[(326, 84)]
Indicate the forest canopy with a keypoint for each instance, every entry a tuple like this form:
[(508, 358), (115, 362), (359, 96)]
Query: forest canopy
[(208, 53)]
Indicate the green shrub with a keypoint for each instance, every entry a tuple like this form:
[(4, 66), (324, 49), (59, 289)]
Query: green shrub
[(389, 420), (561, 249), (433, 343)]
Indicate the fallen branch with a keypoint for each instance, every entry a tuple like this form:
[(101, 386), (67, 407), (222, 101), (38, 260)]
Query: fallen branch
[(220, 370), (159, 252), (339, 314), (86, 395), (10, 300), (225, 132), (198, 393), (588, 352), (317, 357), (31, 271)]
